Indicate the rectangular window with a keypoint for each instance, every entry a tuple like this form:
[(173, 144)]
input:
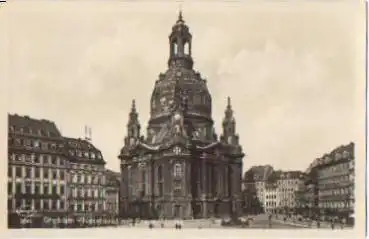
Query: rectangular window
[(62, 190), (18, 172), (18, 188), (10, 204), (54, 204), (40, 159), (36, 144), (54, 175), (37, 189), (54, 190), (18, 203), (46, 204), (10, 188), (46, 173), (37, 205), (61, 175), (46, 189), (27, 142), (75, 178), (44, 146), (37, 172), (10, 172), (28, 172), (62, 205), (28, 189)]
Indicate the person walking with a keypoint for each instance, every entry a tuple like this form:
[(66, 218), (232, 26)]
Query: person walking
[(332, 223), (270, 221)]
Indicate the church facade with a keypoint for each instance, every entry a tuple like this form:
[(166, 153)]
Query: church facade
[(181, 169)]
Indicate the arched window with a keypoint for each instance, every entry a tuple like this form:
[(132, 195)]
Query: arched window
[(187, 48), (143, 182), (178, 172), (175, 48), (160, 181)]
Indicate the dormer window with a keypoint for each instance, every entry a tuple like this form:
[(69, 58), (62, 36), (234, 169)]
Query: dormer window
[(346, 154), (92, 155), (39, 132), (99, 156), (338, 156), (21, 130), (86, 154)]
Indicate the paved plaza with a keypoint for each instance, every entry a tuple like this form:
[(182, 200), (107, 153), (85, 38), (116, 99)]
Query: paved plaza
[(258, 222)]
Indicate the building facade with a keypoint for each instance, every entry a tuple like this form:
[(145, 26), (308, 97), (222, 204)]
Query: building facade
[(86, 181), (112, 193), (181, 169), (287, 185), (335, 182), (53, 181), (271, 199), (253, 192), (37, 172)]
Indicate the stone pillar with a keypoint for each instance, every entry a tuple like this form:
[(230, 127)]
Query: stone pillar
[(204, 188)]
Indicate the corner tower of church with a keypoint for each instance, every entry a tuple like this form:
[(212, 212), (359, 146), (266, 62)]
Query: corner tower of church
[(181, 169)]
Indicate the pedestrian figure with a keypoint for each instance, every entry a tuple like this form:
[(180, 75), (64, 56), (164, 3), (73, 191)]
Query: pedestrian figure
[(343, 222), (318, 224), (332, 224)]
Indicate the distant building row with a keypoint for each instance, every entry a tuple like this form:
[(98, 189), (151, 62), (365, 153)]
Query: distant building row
[(270, 191), (330, 182), (56, 177), (325, 189)]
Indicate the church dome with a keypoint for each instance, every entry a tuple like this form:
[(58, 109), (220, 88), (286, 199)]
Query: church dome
[(180, 80), (187, 83)]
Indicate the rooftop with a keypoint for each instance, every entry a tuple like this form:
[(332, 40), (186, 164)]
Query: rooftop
[(28, 125)]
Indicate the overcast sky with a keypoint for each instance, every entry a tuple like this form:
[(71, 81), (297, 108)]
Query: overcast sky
[(291, 71)]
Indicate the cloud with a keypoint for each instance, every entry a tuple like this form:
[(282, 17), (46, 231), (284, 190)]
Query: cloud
[(288, 83)]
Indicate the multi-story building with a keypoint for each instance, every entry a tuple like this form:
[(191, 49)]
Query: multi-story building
[(335, 181), (256, 177), (253, 193), (53, 180), (310, 195), (271, 198), (288, 184), (181, 169), (300, 196), (86, 181), (37, 172), (112, 193)]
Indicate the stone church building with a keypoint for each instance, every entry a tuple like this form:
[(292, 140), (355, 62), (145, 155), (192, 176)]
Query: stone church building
[(181, 169)]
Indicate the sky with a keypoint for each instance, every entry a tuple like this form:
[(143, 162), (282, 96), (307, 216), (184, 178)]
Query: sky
[(294, 72)]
